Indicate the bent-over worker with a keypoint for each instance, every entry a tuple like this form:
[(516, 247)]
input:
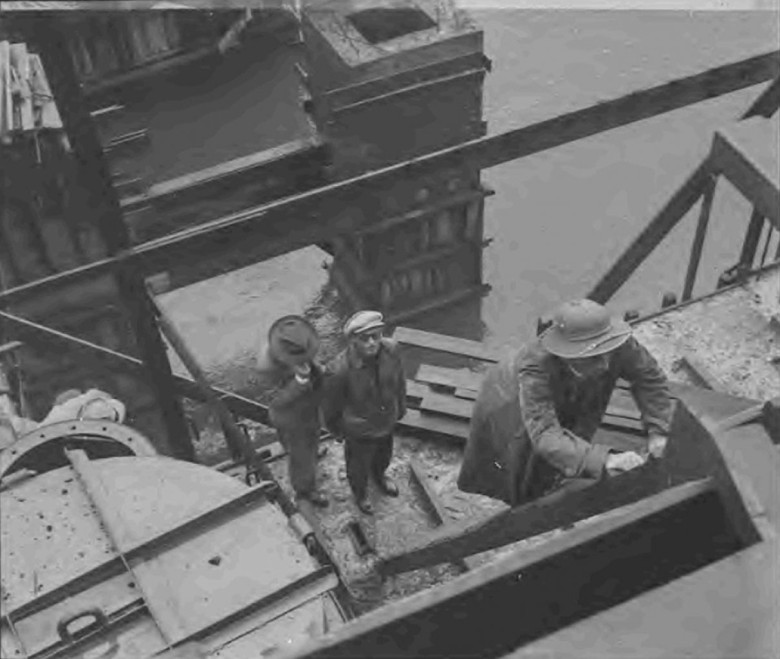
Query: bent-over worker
[(287, 364), (364, 398), (537, 412)]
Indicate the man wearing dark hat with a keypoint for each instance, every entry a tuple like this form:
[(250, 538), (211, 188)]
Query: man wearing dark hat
[(537, 412), (287, 363), (365, 397)]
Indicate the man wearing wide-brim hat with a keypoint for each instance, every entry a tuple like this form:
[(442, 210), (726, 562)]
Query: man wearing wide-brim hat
[(364, 399), (287, 363), (537, 412)]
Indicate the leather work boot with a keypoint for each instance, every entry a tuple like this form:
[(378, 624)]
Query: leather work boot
[(387, 486), (364, 505), (315, 498)]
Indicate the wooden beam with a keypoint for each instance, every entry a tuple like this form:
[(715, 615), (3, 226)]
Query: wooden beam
[(351, 94), (453, 378), (440, 514), (436, 427), (108, 218), (441, 621), (692, 453), (443, 343), (652, 235), (700, 372), (564, 507), (447, 405), (292, 228)]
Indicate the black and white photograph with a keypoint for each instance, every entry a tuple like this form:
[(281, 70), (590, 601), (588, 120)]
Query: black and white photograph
[(389, 328)]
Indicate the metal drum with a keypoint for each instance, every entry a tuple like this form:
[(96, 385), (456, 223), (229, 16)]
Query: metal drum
[(129, 557)]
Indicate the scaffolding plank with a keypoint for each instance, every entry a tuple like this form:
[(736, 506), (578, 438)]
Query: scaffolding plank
[(453, 378), (441, 516), (446, 405), (441, 427), (443, 343)]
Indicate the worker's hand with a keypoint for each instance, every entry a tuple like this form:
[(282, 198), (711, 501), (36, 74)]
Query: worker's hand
[(656, 445), (620, 462)]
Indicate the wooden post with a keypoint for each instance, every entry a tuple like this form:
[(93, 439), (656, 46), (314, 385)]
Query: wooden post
[(95, 176), (698, 239)]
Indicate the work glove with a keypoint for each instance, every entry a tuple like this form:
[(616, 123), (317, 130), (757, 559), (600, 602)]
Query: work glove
[(656, 445), (620, 462)]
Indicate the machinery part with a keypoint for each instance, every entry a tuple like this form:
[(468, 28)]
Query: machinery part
[(303, 530), (669, 300), (41, 449), (100, 620), (359, 539)]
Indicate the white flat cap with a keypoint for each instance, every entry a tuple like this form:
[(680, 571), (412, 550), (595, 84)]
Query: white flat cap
[(363, 321)]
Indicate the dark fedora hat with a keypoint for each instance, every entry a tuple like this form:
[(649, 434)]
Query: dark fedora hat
[(292, 340)]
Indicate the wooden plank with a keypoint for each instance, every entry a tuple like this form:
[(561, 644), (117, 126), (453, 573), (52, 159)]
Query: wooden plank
[(426, 425), (454, 378), (429, 624), (446, 405), (292, 213), (622, 423), (442, 343), (468, 394), (652, 620), (704, 594), (564, 507), (441, 516), (692, 453), (416, 391), (749, 415)]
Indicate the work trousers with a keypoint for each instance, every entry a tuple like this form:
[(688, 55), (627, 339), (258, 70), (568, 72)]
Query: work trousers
[(302, 445), (366, 456)]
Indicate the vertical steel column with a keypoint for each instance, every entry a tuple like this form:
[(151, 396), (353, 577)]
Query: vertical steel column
[(96, 178), (698, 239), (752, 238)]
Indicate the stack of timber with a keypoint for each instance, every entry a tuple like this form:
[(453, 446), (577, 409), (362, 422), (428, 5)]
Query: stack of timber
[(441, 400)]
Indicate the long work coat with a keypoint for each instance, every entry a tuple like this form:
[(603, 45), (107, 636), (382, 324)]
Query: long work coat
[(533, 420), (295, 413)]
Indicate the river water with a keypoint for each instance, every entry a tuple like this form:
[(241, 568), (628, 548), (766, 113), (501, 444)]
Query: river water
[(559, 218)]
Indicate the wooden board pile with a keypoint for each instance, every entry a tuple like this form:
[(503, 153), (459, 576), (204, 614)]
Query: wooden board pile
[(26, 101), (441, 400)]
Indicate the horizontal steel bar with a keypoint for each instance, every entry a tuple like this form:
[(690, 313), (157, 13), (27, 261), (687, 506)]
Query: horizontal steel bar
[(652, 235), (116, 565), (238, 405), (480, 153)]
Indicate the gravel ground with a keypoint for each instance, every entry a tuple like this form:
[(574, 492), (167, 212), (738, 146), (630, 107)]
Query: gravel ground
[(730, 334)]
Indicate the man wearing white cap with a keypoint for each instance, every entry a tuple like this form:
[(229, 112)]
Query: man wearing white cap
[(365, 396), (537, 412)]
